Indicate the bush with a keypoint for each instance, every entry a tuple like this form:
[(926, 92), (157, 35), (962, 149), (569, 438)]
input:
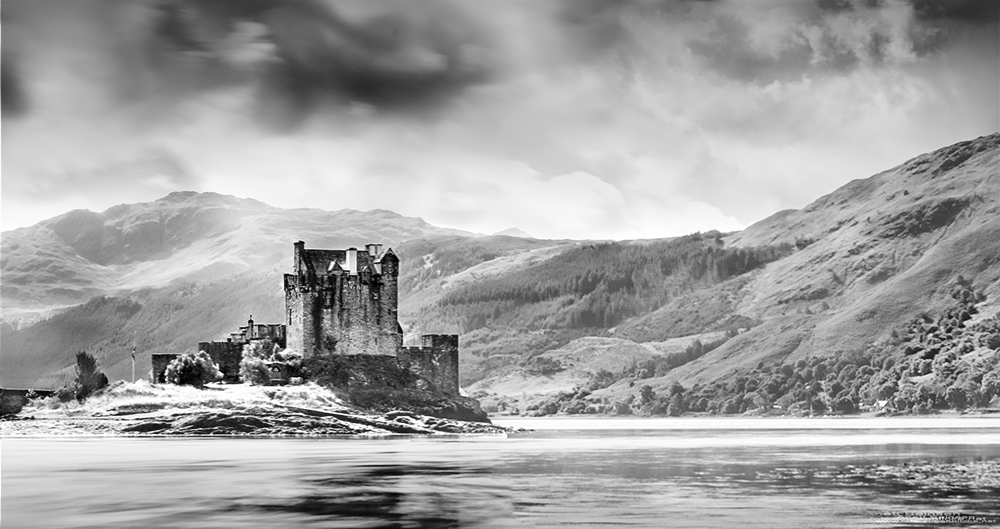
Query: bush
[(65, 394), (256, 356), (193, 369), (844, 405), (255, 371)]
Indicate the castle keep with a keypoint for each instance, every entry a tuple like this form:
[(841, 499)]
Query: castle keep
[(342, 302)]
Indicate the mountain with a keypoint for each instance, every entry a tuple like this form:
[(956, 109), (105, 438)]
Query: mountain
[(535, 316), (868, 259), (185, 236), (514, 232)]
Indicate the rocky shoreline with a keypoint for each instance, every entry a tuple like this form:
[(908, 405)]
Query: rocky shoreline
[(145, 410), (294, 423)]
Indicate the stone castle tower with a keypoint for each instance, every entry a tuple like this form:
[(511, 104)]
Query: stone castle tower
[(343, 301)]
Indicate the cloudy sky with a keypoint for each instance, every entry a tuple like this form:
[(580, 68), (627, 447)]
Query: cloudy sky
[(565, 118)]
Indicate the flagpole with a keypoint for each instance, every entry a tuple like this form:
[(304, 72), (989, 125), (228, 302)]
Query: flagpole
[(133, 357)]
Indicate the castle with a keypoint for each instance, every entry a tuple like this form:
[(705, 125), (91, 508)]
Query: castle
[(342, 302)]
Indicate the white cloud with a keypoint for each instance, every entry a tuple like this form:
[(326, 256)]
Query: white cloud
[(665, 131)]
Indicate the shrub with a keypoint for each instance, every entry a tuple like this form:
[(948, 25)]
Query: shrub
[(646, 395), (622, 407), (844, 405), (65, 394), (192, 369), (255, 371), (601, 379), (256, 356)]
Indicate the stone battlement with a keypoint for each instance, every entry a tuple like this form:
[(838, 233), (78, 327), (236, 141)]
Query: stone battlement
[(435, 362)]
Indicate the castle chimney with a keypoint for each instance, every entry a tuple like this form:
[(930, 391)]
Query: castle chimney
[(300, 252), (352, 261)]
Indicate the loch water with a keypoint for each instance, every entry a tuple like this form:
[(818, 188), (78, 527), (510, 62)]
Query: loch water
[(600, 472)]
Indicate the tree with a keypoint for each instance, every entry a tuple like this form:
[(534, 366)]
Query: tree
[(193, 369), (843, 405), (253, 366), (601, 379), (957, 397), (991, 385), (259, 353), (646, 395), (887, 390), (89, 377)]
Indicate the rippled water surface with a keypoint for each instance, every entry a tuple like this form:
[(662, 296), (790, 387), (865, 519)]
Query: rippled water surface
[(565, 473)]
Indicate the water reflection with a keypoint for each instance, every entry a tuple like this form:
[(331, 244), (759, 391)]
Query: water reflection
[(582, 478), (400, 495)]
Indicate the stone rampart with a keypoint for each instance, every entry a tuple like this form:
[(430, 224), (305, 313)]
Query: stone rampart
[(435, 362), (160, 363), (227, 355)]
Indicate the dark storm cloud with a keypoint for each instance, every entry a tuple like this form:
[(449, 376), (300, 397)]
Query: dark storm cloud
[(12, 99), (832, 36), (596, 25), (725, 49), (835, 6), (413, 56), (980, 12)]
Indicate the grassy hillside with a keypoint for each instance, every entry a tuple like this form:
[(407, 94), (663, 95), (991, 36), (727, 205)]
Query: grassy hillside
[(867, 259), (513, 297), (184, 236), (172, 319)]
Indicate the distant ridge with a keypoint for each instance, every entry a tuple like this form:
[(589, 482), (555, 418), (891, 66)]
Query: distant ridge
[(183, 236), (514, 232)]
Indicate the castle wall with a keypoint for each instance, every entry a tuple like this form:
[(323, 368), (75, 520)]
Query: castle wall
[(337, 301), (160, 363), (300, 306), (355, 323), (435, 363), (227, 355)]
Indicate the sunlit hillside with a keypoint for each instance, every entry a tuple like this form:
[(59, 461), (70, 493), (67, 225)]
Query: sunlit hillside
[(184, 236)]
